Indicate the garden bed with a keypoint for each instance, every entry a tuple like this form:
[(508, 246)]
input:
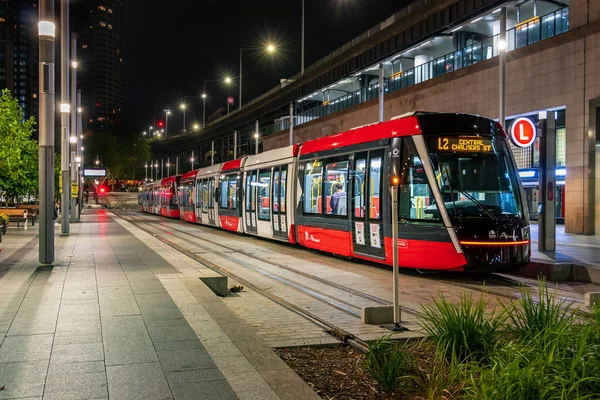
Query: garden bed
[(532, 349)]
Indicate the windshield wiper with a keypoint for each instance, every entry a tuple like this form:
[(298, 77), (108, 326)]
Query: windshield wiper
[(473, 199), (468, 195)]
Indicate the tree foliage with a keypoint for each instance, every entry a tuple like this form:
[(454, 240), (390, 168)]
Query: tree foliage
[(122, 155), (18, 152)]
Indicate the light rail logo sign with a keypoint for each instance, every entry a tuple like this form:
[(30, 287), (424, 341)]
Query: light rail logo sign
[(523, 132)]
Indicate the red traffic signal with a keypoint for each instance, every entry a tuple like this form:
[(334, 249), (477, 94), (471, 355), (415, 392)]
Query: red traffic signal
[(102, 190), (161, 124)]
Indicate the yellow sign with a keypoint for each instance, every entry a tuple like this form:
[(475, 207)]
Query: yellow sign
[(464, 144), (74, 190)]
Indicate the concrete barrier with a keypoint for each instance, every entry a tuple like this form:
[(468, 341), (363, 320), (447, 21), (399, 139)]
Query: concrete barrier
[(218, 284)]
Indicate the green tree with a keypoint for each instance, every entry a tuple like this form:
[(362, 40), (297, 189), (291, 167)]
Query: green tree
[(18, 152)]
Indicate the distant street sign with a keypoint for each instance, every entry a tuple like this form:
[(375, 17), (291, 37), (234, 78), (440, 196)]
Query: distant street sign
[(94, 172), (523, 132), (230, 101)]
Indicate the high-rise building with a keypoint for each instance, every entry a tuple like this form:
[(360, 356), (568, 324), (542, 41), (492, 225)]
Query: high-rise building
[(19, 52), (100, 27)]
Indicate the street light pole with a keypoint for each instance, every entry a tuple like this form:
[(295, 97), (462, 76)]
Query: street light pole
[(80, 165), (240, 94), (302, 62), (73, 137), (64, 116), (167, 112), (183, 107), (47, 34), (502, 47), (256, 136)]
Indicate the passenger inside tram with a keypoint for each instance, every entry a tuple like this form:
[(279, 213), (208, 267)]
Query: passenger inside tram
[(335, 203)]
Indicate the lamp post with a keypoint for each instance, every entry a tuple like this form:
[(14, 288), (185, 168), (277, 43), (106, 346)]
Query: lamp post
[(227, 80), (269, 49), (47, 34), (65, 109), (183, 107), (302, 51), (167, 113)]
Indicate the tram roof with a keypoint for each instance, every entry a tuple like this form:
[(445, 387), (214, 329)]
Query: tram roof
[(414, 123)]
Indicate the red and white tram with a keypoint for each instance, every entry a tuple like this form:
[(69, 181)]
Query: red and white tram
[(460, 198)]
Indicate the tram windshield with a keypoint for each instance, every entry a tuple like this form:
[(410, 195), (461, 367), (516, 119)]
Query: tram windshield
[(476, 176)]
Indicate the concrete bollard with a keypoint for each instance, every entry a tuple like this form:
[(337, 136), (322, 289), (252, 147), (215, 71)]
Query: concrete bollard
[(592, 298)]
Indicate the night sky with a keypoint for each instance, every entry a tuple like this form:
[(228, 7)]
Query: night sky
[(173, 46)]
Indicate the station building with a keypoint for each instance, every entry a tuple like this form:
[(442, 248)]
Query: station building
[(441, 55)]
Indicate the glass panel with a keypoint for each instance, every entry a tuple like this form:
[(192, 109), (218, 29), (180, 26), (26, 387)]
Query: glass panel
[(250, 179), (275, 202), (232, 192), (374, 188), (561, 146), (416, 201), (211, 193), (335, 187), (313, 176), (171, 194), (477, 182), (205, 196), (359, 187), (224, 195), (282, 193), (264, 187)]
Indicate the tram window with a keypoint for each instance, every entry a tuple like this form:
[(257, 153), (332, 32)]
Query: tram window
[(211, 192), (264, 199), (335, 187), (171, 193), (374, 188), (360, 173), (313, 177), (416, 202), (276, 189), (250, 190), (282, 190), (228, 193), (186, 194)]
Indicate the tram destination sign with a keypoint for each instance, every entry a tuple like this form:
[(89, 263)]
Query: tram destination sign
[(463, 144)]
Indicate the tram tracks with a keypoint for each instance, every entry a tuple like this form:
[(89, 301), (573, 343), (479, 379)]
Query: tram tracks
[(331, 301)]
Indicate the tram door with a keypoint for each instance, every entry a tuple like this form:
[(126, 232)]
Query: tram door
[(211, 201), (367, 223), (198, 200), (250, 201), (278, 205)]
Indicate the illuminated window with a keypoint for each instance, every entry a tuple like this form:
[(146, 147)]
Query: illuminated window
[(102, 23), (85, 46), (102, 8), (35, 95), (110, 10), (109, 26)]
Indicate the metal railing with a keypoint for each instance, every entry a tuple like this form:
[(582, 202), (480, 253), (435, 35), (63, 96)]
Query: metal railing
[(524, 34)]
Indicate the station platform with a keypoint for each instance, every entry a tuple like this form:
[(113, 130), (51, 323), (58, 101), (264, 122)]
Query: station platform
[(115, 319), (576, 257)]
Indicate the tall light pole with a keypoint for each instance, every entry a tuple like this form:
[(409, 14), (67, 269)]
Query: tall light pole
[(302, 56), (73, 137), (65, 109), (270, 48), (47, 34), (183, 107), (256, 136), (79, 159), (227, 80), (502, 47), (167, 113)]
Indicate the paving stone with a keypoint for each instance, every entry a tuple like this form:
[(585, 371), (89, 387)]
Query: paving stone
[(180, 360), (76, 367), (73, 339), (288, 385), (137, 381), (195, 375), (213, 390), (250, 381), (76, 386), (26, 348), (223, 349), (126, 341), (171, 333), (80, 352), (178, 345), (23, 379), (233, 365)]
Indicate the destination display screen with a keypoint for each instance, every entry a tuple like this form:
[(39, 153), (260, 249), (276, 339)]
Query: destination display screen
[(462, 144)]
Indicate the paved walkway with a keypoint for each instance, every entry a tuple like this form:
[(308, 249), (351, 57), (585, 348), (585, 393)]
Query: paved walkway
[(573, 249), (114, 319)]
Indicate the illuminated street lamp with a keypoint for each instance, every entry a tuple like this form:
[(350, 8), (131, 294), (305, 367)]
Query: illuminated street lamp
[(167, 113), (183, 107), (227, 81), (144, 133), (195, 127), (270, 48)]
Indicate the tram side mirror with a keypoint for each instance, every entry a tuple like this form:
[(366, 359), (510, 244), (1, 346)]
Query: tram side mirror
[(540, 208)]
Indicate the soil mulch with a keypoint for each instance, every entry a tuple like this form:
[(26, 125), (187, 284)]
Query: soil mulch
[(339, 373)]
